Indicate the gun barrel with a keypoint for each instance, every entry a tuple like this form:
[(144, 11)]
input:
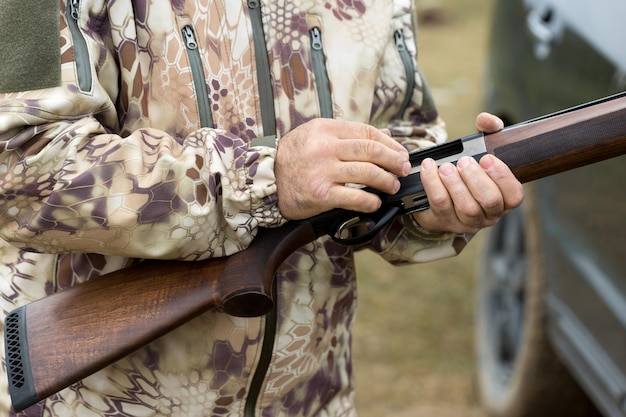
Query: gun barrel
[(565, 140)]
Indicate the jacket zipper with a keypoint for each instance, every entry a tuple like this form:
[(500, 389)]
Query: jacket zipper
[(266, 94), (268, 119), (409, 70), (197, 73), (321, 75), (81, 52), (326, 110), (267, 349)]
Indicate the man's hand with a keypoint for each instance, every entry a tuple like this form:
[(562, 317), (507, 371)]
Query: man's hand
[(316, 160), (471, 195)]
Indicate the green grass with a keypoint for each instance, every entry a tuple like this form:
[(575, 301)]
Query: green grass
[(413, 338)]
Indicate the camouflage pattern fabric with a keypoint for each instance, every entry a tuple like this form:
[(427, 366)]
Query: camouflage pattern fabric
[(112, 165)]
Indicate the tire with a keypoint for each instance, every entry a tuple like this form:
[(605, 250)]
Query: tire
[(518, 374)]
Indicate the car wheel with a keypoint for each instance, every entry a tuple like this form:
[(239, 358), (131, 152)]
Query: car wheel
[(518, 372)]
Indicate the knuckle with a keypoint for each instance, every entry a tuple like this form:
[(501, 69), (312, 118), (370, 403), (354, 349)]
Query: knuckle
[(319, 193), (375, 147), (516, 198), (361, 173), (368, 202), (365, 149), (439, 202), (361, 201), (492, 202), (469, 209), (368, 132), (473, 212), (319, 123), (352, 171)]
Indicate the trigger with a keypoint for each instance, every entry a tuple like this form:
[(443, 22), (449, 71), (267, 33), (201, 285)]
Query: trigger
[(351, 227), (361, 229)]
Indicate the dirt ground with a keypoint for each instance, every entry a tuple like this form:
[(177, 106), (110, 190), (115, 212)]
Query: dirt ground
[(413, 339)]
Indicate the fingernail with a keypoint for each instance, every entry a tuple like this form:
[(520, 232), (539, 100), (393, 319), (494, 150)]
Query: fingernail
[(406, 168), (446, 169), (464, 162), (428, 163), (487, 162)]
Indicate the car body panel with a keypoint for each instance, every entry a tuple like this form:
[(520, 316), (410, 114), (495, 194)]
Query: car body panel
[(583, 220), (547, 55), (573, 72), (598, 23)]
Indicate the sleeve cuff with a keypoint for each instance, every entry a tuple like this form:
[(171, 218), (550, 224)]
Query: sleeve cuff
[(262, 183)]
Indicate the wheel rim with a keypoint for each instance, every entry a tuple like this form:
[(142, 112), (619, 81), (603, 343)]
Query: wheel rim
[(505, 275)]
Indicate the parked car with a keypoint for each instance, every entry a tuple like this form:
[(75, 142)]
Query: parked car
[(551, 289)]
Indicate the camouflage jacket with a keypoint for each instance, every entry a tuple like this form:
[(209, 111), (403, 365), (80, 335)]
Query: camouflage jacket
[(136, 143)]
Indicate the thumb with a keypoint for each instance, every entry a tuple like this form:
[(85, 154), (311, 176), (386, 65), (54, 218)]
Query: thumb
[(488, 123)]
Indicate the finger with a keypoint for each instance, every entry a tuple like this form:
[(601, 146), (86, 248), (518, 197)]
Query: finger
[(510, 187), (373, 152), (466, 207), (438, 196), (355, 130), (481, 187), (486, 122), (381, 136), (351, 198), (368, 174), (441, 215)]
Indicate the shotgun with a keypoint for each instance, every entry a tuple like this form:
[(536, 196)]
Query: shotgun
[(60, 339)]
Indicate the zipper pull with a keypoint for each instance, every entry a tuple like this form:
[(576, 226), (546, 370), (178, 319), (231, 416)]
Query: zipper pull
[(74, 7), (316, 39), (399, 37), (190, 38)]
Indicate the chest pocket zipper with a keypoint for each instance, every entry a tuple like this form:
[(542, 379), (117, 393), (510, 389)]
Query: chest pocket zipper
[(199, 79), (266, 94), (321, 75), (409, 69), (81, 52)]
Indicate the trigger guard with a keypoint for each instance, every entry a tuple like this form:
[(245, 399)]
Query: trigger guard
[(369, 235)]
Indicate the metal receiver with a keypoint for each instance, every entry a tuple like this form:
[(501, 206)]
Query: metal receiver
[(357, 228)]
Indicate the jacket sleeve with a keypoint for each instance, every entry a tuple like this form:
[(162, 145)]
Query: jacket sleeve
[(73, 182), (417, 126)]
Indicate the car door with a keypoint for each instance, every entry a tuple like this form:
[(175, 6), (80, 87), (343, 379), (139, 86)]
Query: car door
[(560, 54), (583, 211)]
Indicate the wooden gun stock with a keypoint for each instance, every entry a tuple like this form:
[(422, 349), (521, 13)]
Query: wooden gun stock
[(58, 340)]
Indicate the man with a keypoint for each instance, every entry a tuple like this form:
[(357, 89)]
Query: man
[(152, 133)]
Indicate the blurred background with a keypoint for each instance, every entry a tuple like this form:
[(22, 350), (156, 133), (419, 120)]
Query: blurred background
[(413, 339), (551, 305)]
